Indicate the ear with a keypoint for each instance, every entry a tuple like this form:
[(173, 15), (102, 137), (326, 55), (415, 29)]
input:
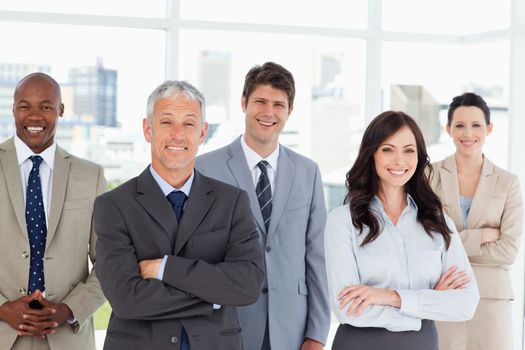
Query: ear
[(204, 131), (447, 128), (243, 104), (489, 128), (146, 128), (61, 110)]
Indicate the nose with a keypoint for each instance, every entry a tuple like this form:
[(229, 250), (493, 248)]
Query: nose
[(176, 131), (400, 158)]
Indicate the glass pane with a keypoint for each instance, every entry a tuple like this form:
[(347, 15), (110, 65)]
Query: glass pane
[(138, 8), (446, 16), (328, 115), (329, 13), (425, 77), (104, 87)]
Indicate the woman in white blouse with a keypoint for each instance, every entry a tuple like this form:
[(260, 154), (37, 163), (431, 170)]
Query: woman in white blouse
[(395, 263)]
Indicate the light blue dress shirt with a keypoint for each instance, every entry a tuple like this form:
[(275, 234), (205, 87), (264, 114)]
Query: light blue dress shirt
[(404, 258), (466, 203)]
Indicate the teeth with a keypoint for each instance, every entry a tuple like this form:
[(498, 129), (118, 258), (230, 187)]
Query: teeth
[(34, 129), (176, 148), (265, 123), (397, 172)]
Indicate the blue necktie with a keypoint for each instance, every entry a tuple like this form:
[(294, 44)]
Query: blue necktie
[(264, 193), (36, 226), (177, 200)]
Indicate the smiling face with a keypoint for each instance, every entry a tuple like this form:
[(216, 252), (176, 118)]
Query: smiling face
[(396, 159), (175, 133), (36, 108), (468, 130), (266, 112)]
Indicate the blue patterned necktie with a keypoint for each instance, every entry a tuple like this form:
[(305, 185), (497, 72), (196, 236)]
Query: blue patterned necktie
[(36, 226), (177, 200), (264, 193)]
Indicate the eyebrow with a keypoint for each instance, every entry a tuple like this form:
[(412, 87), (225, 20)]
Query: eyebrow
[(391, 145)]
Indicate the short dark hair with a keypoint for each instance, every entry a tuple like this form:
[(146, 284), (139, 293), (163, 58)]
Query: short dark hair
[(468, 99), (362, 180), (272, 74)]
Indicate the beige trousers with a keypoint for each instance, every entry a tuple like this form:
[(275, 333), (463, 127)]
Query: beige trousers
[(489, 329), (30, 343)]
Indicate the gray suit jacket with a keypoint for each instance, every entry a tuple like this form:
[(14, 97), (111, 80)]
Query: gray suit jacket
[(213, 258), (294, 300), (70, 238)]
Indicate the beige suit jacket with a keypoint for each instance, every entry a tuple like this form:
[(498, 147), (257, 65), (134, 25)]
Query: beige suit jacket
[(70, 240), (497, 203)]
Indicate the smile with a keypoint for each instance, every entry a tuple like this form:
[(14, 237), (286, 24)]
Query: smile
[(265, 123), (468, 142), (397, 172), (176, 148), (34, 129)]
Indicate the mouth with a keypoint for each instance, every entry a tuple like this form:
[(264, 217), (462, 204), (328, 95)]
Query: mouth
[(468, 143), (397, 173), (176, 148), (34, 129), (265, 123)]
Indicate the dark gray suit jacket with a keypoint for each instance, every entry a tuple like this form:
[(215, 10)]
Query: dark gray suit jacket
[(213, 258)]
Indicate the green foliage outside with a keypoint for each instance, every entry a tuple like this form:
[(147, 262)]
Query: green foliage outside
[(102, 317)]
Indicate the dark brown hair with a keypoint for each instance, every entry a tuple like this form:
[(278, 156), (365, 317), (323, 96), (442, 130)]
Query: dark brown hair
[(362, 180), (468, 99), (272, 74)]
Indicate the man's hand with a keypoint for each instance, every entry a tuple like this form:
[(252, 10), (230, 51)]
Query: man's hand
[(16, 314), (310, 344), (149, 268)]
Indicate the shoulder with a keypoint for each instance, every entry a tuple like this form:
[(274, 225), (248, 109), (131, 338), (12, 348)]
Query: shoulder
[(299, 159), (218, 186), (125, 189), (340, 215), (218, 153), (505, 175), (80, 163)]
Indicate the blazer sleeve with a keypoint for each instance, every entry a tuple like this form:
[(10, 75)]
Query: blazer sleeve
[(318, 322), (86, 297), (505, 249), (130, 296), (234, 281)]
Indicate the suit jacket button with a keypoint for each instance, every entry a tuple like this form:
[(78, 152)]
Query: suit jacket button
[(265, 290), (25, 254), (174, 339), (268, 249), (23, 291)]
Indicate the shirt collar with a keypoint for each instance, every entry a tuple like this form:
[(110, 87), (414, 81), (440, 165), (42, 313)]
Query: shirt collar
[(376, 203), (23, 152), (253, 158), (167, 188)]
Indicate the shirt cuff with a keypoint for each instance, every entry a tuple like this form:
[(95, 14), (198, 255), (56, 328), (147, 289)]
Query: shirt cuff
[(216, 307), (160, 274), (409, 304)]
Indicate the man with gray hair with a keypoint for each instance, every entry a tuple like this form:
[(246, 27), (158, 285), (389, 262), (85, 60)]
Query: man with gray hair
[(176, 250)]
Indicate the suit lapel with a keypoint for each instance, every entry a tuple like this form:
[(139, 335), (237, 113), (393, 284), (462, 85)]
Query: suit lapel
[(484, 190), (14, 186), (150, 197), (199, 202), (242, 175), (450, 185), (60, 180), (283, 185)]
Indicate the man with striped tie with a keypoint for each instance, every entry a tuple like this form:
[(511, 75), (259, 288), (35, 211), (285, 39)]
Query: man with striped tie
[(287, 203)]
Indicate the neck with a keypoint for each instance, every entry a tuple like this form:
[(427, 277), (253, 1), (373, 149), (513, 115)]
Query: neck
[(176, 178), (262, 149), (468, 164), (394, 199)]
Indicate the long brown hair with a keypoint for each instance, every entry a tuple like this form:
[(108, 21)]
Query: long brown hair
[(362, 180)]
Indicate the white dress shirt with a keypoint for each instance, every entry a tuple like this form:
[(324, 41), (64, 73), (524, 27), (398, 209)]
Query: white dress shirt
[(404, 258), (252, 158), (23, 152)]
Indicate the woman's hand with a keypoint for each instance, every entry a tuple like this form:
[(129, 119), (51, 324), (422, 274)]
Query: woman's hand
[(452, 279), (360, 296)]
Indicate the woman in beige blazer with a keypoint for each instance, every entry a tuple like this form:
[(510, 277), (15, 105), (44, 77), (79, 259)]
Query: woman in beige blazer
[(486, 205)]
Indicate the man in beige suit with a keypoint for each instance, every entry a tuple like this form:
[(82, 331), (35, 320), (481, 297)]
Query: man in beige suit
[(57, 313)]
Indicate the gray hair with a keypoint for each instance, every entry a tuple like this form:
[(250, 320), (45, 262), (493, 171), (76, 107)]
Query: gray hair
[(173, 89)]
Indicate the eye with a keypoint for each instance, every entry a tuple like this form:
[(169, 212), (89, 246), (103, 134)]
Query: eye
[(47, 108), (410, 150), (386, 149), (279, 105), (476, 125), (459, 126)]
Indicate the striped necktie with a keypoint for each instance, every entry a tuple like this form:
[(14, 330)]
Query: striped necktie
[(264, 193)]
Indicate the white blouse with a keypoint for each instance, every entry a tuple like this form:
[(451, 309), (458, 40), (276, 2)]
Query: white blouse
[(404, 258)]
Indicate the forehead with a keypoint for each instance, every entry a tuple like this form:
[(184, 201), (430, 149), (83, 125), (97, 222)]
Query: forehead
[(404, 136), (468, 113), (269, 93), (37, 89), (179, 104)]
